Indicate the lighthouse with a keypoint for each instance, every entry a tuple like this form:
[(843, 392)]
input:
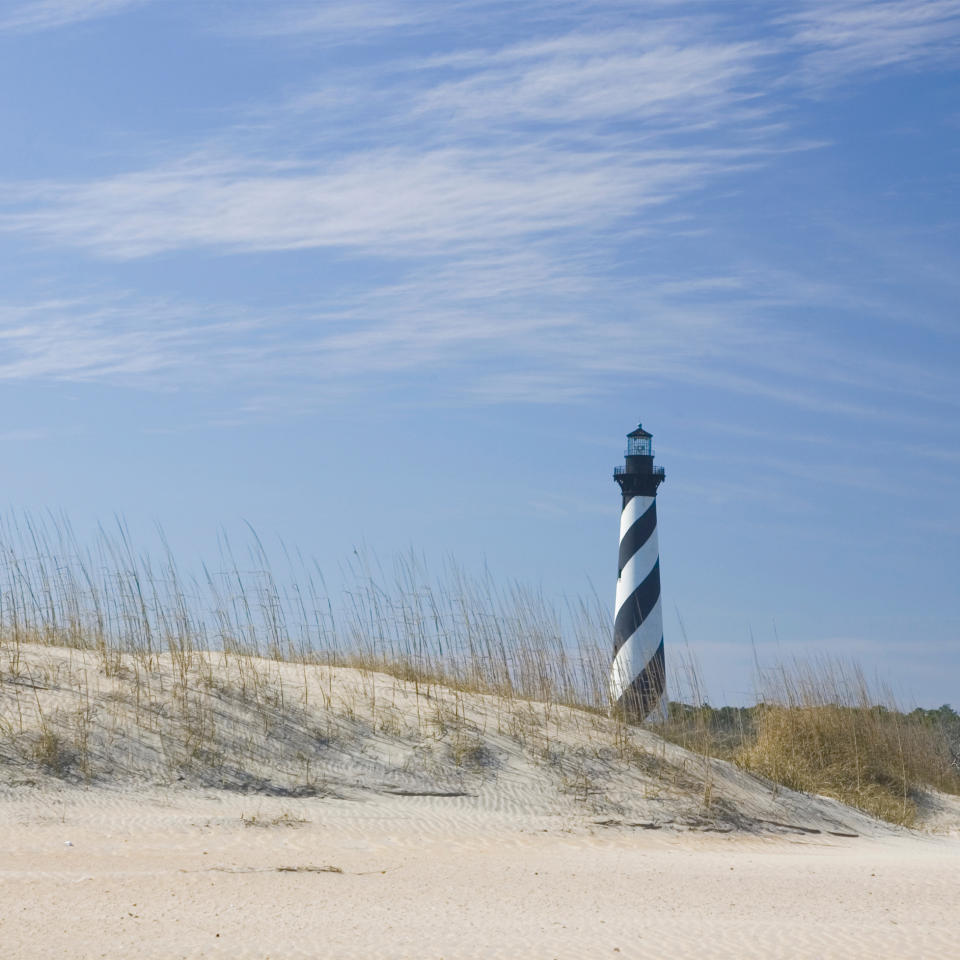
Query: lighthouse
[(637, 679)]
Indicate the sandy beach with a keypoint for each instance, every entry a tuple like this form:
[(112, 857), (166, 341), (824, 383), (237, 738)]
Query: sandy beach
[(243, 807), (181, 873)]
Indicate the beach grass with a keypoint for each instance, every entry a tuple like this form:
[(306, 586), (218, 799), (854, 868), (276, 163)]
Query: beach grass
[(822, 728), (233, 674)]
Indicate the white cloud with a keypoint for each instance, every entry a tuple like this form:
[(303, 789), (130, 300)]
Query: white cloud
[(391, 202), (116, 340), (503, 148), (498, 181), (663, 73), (49, 14), (340, 21), (845, 37), (491, 329), (333, 19)]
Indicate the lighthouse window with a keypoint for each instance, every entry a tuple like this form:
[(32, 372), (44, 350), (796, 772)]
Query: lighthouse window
[(638, 447)]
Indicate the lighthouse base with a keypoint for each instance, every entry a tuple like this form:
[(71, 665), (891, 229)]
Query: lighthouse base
[(642, 699)]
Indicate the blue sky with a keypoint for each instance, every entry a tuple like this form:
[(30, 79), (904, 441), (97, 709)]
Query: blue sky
[(394, 274)]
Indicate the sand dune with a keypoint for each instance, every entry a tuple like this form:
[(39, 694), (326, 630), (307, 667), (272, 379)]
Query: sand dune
[(315, 812)]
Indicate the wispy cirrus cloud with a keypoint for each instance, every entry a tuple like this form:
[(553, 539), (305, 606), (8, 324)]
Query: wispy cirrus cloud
[(335, 19), (490, 147), (317, 21), (661, 73), (501, 181), (517, 328), (115, 340), (390, 202), (50, 14), (832, 38), (841, 38), (497, 178)]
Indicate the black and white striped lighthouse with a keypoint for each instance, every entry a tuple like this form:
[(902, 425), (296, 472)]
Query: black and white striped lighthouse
[(637, 679)]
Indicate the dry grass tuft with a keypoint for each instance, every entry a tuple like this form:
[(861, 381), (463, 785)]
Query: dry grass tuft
[(820, 729)]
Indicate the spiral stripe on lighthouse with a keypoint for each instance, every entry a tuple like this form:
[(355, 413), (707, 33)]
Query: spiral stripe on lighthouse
[(637, 652), (637, 675), (636, 526)]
